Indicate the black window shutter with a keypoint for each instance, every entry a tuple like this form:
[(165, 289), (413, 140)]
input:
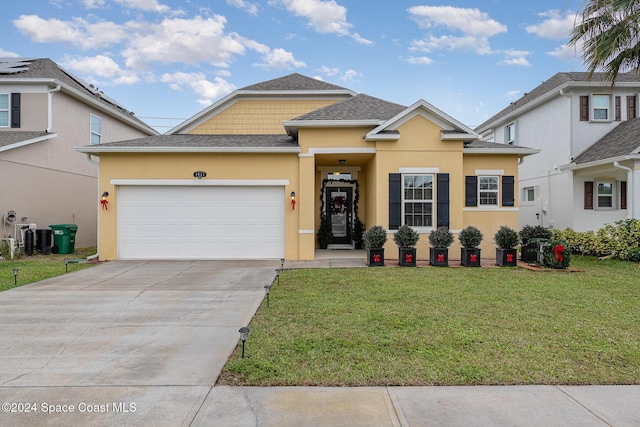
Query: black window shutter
[(15, 110), (442, 198), (631, 107), (623, 194), (618, 109), (508, 191), (395, 201), (588, 195), (471, 191), (584, 108)]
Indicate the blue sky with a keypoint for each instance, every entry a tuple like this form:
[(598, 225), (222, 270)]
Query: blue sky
[(166, 60)]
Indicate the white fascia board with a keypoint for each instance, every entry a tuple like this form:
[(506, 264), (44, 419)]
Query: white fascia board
[(27, 142), (459, 136), (428, 111), (97, 149), (340, 150), (329, 123), (573, 166), (369, 137), (203, 182), (227, 101), (512, 150)]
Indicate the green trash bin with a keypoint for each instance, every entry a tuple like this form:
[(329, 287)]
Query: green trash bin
[(64, 238)]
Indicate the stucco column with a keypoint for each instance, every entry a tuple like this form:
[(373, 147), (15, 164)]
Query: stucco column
[(307, 206)]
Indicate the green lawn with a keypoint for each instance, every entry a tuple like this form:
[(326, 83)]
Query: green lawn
[(446, 326), (39, 267)]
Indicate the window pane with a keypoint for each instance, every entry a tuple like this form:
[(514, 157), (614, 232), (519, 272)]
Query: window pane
[(600, 114), (4, 101), (605, 201), (601, 101), (95, 139), (4, 118), (96, 124), (605, 188)]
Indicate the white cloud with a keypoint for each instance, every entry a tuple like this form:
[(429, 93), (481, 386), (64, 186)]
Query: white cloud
[(280, 58), (476, 28), (468, 21), (250, 8), (93, 4), (516, 57), (335, 71), (513, 94), (349, 75), (145, 5), (8, 54), (98, 68), (325, 17), (554, 25), (78, 32), (420, 60), (566, 52), (186, 41), (206, 90), (329, 71)]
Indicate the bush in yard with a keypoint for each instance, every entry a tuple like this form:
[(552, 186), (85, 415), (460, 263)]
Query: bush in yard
[(375, 237), (441, 237), (556, 254), (620, 240), (470, 237), (406, 237)]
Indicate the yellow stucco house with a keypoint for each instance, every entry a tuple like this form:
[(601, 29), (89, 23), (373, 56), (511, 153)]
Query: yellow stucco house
[(251, 175)]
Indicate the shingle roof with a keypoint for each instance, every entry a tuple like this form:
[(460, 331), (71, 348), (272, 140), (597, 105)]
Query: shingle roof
[(10, 137), (295, 82), (44, 68), (204, 141), (554, 82), (621, 141), (360, 107), (496, 146)]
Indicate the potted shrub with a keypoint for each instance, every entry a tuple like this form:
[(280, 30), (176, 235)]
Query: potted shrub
[(507, 239), (325, 232), (470, 239), (375, 238), (531, 236), (356, 233), (556, 254), (440, 240), (406, 238)]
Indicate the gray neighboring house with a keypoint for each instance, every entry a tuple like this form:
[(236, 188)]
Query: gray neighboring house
[(45, 112), (588, 171)]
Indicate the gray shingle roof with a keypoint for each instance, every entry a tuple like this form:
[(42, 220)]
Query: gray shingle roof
[(360, 107), (10, 137), (293, 82), (621, 141), (554, 82), (206, 141), (45, 68)]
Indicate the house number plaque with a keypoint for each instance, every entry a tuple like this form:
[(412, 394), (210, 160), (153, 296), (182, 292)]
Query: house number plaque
[(199, 174)]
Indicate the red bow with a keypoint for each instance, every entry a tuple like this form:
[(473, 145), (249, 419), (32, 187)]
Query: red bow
[(376, 257), (440, 257), (408, 258), (104, 203), (558, 250), (473, 257), (509, 257)]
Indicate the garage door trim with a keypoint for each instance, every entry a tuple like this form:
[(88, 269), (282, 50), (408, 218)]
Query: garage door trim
[(204, 182)]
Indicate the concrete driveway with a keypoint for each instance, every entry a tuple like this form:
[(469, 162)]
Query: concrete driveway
[(125, 342)]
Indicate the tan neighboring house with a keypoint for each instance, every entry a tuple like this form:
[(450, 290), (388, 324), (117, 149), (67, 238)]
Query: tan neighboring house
[(45, 113), (251, 176)]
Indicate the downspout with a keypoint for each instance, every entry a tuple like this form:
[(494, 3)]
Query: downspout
[(50, 107), (94, 256), (563, 93), (629, 188)]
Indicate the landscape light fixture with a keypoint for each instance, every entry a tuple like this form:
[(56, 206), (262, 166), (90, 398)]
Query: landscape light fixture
[(281, 263), (278, 275), (244, 333), (267, 289), (66, 265), (15, 277)]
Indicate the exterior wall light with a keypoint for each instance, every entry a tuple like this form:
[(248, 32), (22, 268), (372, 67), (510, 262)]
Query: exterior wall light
[(293, 200), (244, 333)]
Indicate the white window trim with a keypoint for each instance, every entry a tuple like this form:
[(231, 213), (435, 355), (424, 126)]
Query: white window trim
[(8, 110), (92, 132), (614, 196), (431, 172), (523, 193), (592, 108), (497, 191)]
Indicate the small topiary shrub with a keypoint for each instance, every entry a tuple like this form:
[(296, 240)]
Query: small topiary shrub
[(441, 237), (375, 237), (506, 237), (406, 237), (470, 237), (533, 233)]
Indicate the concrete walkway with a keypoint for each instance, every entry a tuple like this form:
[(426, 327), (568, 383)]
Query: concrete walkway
[(142, 344)]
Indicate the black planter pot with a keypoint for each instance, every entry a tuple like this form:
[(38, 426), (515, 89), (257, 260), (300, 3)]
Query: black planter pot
[(506, 257), (470, 257), (529, 252), (439, 257), (375, 257), (407, 257)]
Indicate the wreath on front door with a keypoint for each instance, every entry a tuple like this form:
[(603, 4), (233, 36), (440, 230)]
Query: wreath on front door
[(338, 205)]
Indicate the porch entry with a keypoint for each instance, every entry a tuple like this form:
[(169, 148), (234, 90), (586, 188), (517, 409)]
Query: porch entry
[(339, 207)]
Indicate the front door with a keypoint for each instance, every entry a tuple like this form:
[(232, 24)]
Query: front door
[(339, 207)]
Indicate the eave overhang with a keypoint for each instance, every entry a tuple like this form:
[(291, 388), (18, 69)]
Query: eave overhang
[(603, 162), (97, 150), (27, 142)]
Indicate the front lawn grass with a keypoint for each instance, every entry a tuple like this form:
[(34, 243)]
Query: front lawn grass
[(39, 267), (446, 326)]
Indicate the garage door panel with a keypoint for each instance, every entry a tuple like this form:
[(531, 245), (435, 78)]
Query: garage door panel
[(200, 222)]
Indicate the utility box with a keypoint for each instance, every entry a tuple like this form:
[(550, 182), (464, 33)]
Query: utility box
[(64, 238)]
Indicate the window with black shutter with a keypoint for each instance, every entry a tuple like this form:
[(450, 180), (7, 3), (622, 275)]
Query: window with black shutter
[(508, 191), (15, 110), (471, 191), (588, 195), (584, 108)]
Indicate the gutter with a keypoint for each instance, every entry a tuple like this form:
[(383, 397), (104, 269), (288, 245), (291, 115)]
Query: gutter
[(50, 107), (617, 165)]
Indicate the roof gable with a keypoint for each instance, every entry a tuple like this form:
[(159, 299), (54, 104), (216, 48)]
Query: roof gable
[(360, 107), (623, 140), (292, 82)]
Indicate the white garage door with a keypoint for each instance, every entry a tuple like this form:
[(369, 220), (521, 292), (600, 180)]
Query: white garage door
[(185, 222)]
